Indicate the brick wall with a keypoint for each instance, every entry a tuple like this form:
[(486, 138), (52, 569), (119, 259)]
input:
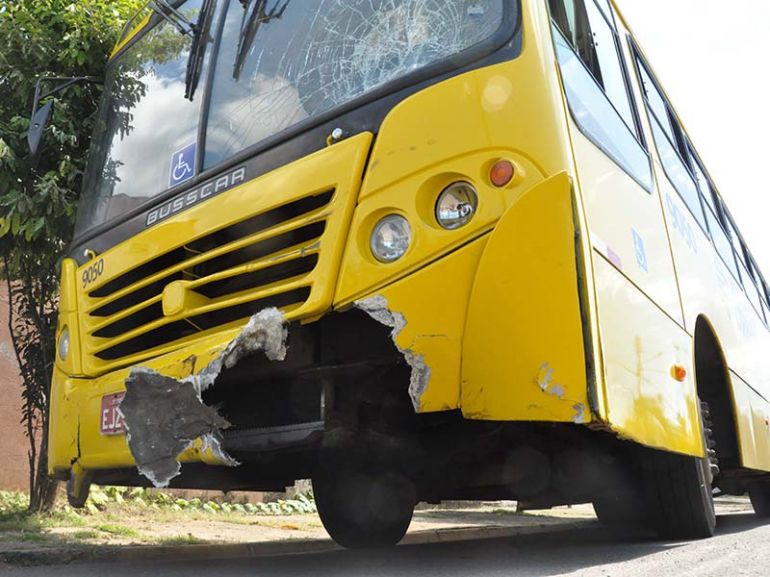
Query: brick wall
[(13, 443)]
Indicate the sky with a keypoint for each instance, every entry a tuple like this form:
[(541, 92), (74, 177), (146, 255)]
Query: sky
[(712, 59)]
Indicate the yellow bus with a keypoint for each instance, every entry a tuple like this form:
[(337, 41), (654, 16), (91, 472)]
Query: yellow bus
[(415, 250)]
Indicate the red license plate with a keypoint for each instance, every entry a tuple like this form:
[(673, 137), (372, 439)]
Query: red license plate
[(112, 421)]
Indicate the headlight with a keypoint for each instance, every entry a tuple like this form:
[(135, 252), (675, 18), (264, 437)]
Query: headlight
[(64, 344), (456, 205), (391, 238)]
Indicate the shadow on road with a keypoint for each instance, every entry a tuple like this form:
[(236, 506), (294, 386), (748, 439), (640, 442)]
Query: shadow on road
[(738, 522), (543, 555)]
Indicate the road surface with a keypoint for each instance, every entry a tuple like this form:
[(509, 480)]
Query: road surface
[(739, 549)]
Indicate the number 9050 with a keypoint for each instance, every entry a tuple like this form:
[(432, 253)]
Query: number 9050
[(93, 272)]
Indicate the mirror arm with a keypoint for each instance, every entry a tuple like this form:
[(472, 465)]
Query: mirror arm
[(67, 82), (41, 114)]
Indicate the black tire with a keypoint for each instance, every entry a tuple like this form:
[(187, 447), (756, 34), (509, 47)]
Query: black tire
[(679, 492), (620, 512), (759, 494), (78, 489), (620, 506), (361, 511), (679, 496)]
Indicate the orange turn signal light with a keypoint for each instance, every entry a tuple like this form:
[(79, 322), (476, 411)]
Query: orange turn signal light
[(502, 173), (679, 373)]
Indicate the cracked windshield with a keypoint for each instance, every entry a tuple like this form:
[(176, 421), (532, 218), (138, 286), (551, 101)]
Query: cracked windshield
[(279, 64)]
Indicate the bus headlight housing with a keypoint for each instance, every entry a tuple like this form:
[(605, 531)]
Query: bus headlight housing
[(456, 205), (391, 238), (64, 344)]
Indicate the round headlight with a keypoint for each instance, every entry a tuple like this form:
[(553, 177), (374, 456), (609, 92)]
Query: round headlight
[(391, 238), (64, 344), (456, 205)]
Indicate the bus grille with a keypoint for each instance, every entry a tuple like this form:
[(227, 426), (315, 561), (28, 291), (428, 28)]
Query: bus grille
[(265, 260)]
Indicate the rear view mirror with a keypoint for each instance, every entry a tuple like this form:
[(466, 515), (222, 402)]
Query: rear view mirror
[(37, 126), (42, 114)]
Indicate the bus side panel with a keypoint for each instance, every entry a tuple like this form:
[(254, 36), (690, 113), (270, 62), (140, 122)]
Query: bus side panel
[(752, 417), (626, 224), (640, 347), (523, 350), (709, 289)]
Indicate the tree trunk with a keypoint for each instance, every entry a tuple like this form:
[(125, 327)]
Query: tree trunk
[(43, 489)]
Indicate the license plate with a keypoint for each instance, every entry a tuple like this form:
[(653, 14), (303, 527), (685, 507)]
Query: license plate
[(112, 421)]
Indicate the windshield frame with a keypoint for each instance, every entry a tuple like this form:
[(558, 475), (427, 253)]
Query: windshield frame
[(469, 59)]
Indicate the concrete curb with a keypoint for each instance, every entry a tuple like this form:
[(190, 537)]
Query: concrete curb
[(64, 556)]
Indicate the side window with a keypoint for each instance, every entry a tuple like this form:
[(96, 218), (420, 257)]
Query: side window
[(703, 183), (596, 83), (591, 34), (722, 244), (736, 239), (765, 301), (669, 140), (655, 104), (754, 288)]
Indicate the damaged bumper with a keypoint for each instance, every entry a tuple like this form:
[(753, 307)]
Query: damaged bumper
[(169, 415), (161, 418)]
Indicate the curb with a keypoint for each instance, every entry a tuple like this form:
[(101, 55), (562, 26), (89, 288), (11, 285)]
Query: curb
[(65, 556)]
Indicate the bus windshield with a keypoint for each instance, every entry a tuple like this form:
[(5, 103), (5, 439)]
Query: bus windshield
[(279, 63)]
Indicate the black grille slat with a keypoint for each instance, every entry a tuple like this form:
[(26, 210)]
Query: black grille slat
[(149, 340), (260, 222), (141, 272), (259, 278), (259, 250), (180, 329), (133, 321), (139, 295)]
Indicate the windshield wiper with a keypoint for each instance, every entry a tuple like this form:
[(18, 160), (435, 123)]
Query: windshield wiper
[(173, 17), (255, 14), (201, 39)]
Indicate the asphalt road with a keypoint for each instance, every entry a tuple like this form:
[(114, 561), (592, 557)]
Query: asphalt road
[(740, 548)]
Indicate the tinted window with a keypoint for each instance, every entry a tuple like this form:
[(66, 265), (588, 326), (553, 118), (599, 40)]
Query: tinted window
[(667, 136), (703, 183), (748, 285), (145, 121), (721, 242), (605, 6), (655, 102), (596, 116), (591, 35), (736, 240), (677, 173)]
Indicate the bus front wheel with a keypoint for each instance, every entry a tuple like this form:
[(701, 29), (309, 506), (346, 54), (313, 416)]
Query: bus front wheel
[(679, 496), (361, 510), (679, 489)]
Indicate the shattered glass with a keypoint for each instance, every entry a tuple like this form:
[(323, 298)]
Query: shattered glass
[(312, 57)]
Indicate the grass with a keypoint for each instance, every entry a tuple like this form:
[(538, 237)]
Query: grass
[(119, 530), (120, 515), (188, 539), (86, 535)]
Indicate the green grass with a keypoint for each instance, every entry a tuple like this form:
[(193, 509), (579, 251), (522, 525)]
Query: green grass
[(118, 530), (181, 540), (86, 534), (26, 537)]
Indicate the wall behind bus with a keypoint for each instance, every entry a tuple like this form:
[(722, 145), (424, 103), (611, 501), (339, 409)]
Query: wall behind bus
[(13, 443)]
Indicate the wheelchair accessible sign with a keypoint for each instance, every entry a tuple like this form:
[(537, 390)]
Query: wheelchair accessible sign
[(182, 165)]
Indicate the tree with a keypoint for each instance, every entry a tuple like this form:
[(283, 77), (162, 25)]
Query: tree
[(38, 199)]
